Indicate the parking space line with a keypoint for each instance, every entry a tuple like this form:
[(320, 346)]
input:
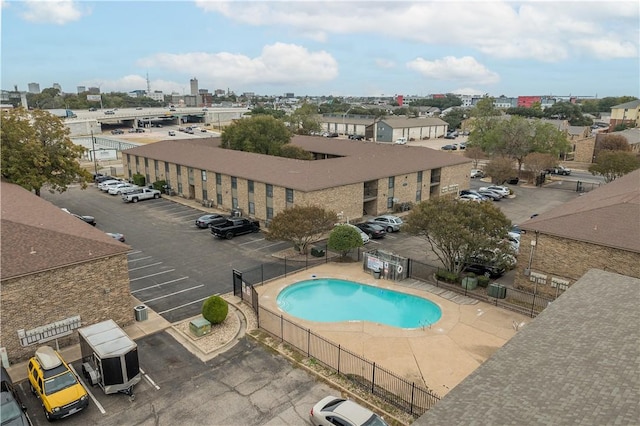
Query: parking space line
[(149, 379), (187, 304), (134, 252), (270, 245), (140, 258), (158, 285), (151, 275), (251, 242), (86, 388), (173, 294), (145, 266)]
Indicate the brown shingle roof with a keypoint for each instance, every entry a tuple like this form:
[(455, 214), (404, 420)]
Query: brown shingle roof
[(608, 216), (357, 161), (38, 236)]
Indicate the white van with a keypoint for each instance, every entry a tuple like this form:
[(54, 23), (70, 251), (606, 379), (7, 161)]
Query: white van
[(401, 141)]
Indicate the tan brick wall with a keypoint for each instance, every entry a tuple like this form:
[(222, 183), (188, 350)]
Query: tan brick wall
[(346, 199), (569, 260), (97, 290), (584, 149)]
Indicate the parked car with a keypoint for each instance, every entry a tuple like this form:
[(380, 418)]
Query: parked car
[(449, 136), (449, 148), (138, 108), (117, 132), (116, 235), (502, 190), (490, 194), (140, 130), (101, 178), (373, 230), (172, 133), (462, 145), (58, 388), (88, 219), (474, 192), (470, 197), (92, 109), (332, 410), (105, 186), (479, 267), (209, 220), (105, 182), (356, 137), (121, 188), (13, 412), (476, 173), (389, 222), (401, 141), (559, 170), (109, 112)]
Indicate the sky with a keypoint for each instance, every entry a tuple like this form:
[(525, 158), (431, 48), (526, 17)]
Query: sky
[(313, 48)]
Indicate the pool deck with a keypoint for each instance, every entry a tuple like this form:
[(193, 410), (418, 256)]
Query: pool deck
[(439, 357)]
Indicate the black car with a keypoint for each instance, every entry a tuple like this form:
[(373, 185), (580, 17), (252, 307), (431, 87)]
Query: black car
[(210, 220), (449, 148), (12, 408), (117, 132), (372, 230), (102, 178), (490, 194), (480, 267)]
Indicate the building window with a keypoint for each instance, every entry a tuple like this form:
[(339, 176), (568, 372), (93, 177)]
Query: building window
[(205, 196), (166, 171), (203, 173), (234, 202), (178, 169), (289, 196), (218, 179), (252, 207), (392, 181), (137, 160), (234, 182), (269, 191), (389, 202), (418, 195), (146, 162), (250, 185), (219, 199), (155, 166), (128, 158), (420, 176), (269, 212), (179, 188)]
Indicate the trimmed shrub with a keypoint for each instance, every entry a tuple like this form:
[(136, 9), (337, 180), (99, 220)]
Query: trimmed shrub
[(138, 179), (215, 309), (159, 185), (483, 281), (447, 276)]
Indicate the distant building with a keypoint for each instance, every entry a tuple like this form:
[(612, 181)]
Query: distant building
[(94, 90), (156, 96), (627, 114), (193, 83), (528, 101), (34, 88), (81, 89), (57, 86)]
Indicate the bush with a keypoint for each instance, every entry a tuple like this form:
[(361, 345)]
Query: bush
[(215, 309), (159, 185), (483, 281), (447, 276), (138, 179)]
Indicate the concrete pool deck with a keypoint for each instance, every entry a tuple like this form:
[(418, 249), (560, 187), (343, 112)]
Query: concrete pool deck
[(438, 357)]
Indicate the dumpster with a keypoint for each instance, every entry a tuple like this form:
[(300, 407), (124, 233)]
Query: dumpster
[(141, 313), (109, 358)]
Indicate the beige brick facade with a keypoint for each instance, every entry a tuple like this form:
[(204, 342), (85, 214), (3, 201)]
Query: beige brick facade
[(348, 199), (584, 149), (558, 262), (96, 290)]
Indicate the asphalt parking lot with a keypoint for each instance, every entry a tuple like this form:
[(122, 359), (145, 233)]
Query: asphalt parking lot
[(246, 385)]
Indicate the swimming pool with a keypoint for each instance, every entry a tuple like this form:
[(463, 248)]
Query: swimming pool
[(334, 300)]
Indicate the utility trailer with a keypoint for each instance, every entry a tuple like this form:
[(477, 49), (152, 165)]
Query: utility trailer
[(109, 358)]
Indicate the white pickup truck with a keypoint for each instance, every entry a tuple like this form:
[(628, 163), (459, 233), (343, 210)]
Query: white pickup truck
[(140, 194)]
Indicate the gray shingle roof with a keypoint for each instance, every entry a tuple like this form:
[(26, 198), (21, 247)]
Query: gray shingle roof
[(607, 216), (627, 105), (575, 364), (402, 122), (356, 161), (38, 236)]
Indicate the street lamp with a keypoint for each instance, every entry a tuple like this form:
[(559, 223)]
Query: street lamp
[(93, 154)]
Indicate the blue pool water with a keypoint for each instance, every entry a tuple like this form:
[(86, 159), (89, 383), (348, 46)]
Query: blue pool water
[(334, 300)]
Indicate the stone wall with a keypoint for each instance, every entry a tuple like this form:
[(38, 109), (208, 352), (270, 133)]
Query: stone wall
[(558, 262), (96, 290), (584, 150)]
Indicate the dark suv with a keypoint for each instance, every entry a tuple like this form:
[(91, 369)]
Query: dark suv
[(12, 410)]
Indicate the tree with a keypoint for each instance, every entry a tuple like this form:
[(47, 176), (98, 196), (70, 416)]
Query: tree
[(304, 120), (262, 134), (475, 153), (292, 151), (537, 162), (455, 117), (456, 230), (343, 239), (37, 151), (614, 164), (612, 143), (568, 111), (500, 169), (301, 225)]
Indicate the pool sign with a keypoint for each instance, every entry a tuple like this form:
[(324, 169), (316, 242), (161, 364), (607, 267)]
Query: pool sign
[(374, 263)]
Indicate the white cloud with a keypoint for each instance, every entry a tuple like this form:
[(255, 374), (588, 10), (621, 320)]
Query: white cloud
[(279, 63), (457, 69), (541, 30), (57, 12)]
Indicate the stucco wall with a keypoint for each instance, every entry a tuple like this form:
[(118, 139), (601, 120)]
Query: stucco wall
[(96, 291), (568, 260)]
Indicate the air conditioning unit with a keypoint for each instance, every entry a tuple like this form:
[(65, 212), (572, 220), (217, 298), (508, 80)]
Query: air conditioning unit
[(527, 272)]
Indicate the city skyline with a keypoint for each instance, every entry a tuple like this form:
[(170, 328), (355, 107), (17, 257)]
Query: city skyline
[(354, 48)]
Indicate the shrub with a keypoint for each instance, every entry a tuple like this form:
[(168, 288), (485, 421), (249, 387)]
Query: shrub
[(483, 281), (215, 309), (159, 185), (447, 276), (138, 179)]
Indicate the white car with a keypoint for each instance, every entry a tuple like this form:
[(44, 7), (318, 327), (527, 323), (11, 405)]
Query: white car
[(470, 197), (502, 190), (401, 141), (476, 173), (388, 222), (106, 186), (101, 185), (333, 410), (121, 188)]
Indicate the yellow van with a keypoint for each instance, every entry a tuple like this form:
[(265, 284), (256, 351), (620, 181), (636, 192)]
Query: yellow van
[(58, 388)]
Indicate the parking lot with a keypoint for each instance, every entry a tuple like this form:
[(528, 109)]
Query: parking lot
[(173, 266)]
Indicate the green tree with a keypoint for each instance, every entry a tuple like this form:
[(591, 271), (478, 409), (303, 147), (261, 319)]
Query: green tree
[(215, 309), (614, 164), (456, 231), (500, 169), (262, 134), (455, 117), (343, 239), (275, 113), (301, 225), (304, 120), (292, 151), (568, 111), (37, 151)]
